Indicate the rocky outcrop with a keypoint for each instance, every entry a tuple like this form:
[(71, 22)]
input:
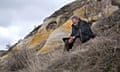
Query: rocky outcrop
[(109, 27), (90, 10), (101, 54)]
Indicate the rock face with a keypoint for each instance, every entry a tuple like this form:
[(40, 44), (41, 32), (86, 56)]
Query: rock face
[(47, 37), (101, 54), (109, 27)]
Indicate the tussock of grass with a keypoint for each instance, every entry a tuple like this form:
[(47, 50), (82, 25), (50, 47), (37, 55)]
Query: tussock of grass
[(98, 55), (24, 61)]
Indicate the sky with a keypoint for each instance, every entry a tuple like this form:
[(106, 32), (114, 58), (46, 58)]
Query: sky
[(19, 17)]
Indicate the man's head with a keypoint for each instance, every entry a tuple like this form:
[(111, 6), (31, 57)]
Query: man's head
[(75, 20)]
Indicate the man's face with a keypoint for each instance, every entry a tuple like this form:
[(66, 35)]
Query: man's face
[(75, 21)]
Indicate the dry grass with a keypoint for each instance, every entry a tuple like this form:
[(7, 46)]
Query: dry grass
[(24, 61), (98, 55), (27, 61)]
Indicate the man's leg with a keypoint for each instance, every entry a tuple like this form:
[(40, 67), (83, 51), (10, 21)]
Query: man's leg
[(70, 43), (66, 45)]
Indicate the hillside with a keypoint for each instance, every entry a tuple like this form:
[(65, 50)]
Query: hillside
[(48, 35), (42, 49), (2, 52)]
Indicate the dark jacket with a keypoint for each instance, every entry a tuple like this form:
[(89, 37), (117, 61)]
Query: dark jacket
[(83, 31)]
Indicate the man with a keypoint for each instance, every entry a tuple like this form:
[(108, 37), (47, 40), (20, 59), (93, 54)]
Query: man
[(80, 29)]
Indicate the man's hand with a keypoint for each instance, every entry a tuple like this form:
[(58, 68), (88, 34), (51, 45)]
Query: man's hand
[(71, 39)]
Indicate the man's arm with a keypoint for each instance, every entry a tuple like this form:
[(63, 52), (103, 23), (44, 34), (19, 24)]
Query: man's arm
[(73, 34)]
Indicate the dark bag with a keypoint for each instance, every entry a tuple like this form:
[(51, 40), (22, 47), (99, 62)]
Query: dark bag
[(85, 31)]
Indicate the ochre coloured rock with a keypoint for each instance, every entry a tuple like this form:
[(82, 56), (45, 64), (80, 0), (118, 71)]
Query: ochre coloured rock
[(38, 38), (55, 39)]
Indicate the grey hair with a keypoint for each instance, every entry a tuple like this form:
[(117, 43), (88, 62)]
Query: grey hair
[(75, 17)]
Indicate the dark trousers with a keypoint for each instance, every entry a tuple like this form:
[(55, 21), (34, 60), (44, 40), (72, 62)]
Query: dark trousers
[(68, 45)]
